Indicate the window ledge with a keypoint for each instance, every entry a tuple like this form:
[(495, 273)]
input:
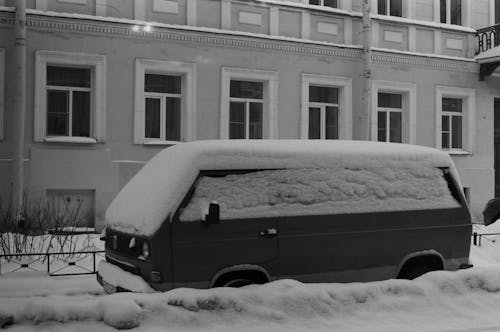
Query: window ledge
[(458, 152), (161, 142), (70, 139)]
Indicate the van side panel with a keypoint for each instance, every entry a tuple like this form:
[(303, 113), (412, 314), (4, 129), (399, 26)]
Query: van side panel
[(371, 246)]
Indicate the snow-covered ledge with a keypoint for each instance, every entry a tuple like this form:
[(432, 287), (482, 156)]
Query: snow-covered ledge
[(70, 139)]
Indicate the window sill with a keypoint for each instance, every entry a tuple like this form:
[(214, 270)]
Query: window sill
[(70, 139), (458, 152), (153, 143)]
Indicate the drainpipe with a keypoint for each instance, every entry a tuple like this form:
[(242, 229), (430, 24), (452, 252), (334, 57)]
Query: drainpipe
[(364, 116), (19, 107)]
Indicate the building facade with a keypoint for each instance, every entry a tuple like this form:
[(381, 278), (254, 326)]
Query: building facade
[(112, 82)]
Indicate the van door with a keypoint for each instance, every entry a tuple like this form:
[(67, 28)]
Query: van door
[(200, 251)]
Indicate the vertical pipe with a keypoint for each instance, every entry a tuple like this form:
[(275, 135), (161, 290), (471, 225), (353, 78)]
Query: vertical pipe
[(19, 108), (364, 116)]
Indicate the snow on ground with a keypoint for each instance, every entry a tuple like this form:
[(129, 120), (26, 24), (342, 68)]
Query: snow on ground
[(466, 300)]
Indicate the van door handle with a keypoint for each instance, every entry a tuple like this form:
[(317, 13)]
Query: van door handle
[(270, 232)]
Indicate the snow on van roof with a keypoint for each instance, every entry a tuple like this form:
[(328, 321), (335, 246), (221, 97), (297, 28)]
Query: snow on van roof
[(160, 186)]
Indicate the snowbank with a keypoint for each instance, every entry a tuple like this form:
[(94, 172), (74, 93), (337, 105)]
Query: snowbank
[(162, 183), (437, 301), (117, 277)]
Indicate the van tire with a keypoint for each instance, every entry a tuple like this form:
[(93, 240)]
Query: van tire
[(240, 278)]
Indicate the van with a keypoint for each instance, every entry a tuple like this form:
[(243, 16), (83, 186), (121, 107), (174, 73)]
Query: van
[(231, 213)]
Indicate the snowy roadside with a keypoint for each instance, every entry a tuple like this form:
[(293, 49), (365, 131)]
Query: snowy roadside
[(439, 301)]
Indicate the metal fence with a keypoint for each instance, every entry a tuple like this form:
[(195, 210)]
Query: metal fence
[(487, 38), (54, 264), (477, 237)]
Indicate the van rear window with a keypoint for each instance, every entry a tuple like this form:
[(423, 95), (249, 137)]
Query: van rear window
[(316, 191)]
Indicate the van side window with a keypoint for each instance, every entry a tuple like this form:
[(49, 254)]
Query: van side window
[(316, 191)]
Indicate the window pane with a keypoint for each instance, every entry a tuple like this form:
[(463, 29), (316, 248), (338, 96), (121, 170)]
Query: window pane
[(244, 89), (456, 132), (395, 130), (381, 7), (330, 3), (314, 123), (57, 113), (382, 126), (445, 139), (255, 130), (173, 119), (331, 122), (442, 10), (497, 11), (452, 105), (152, 123), (81, 114), (314, 2), (396, 8), (445, 123), (321, 94), (456, 12), (67, 76), (390, 100), (237, 120), (162, 83)]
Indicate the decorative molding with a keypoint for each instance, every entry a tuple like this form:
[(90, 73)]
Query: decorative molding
[(241, 40), (249, 18), (101, 7), (225, 14), (274, 21), (328, 28), (41, 4), (140, 9), (165, 6), (192, 13), (454, 44), (305, 25), (393, 36), (74, 2)]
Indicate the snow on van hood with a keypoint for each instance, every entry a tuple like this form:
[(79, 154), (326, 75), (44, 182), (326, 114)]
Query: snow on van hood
[(159, 187)]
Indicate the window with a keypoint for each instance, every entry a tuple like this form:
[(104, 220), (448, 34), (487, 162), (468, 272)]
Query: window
[(248, 103), (326, 111), (245, 109), (455, 118), (451, 11), (497, 11), (164, 102), (70, 95), (393, 117), (390, 7), (68, 101), (390, 117), (451, 123), (163, 107), (2, 87), (325, 3), (323, 112)]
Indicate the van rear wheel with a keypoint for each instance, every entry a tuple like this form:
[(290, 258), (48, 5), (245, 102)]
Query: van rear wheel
[(238, 283), (415, 271)]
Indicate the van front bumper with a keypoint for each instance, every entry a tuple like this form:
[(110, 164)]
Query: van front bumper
[(114, 279)]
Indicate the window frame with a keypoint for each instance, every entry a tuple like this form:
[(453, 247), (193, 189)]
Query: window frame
[(97, 63), (247, 102), (344, 85), (70, 90), (322, 118), (187, 71), (467, 95), (270, 98), (409, 105), (322, 4), (388, 111), (388, 9)]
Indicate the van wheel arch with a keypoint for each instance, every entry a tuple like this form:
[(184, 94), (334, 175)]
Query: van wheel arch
[(419, 263), (240, 275)]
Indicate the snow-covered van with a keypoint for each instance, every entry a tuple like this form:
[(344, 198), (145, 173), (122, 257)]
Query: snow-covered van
[(230, 213)]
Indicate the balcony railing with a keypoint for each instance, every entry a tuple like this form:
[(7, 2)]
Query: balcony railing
[(487, 38)]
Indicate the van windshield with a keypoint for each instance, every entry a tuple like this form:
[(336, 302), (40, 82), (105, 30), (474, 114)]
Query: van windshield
[(317, 191)]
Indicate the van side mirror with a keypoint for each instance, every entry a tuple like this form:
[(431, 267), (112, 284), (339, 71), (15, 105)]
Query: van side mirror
[(213, 215)]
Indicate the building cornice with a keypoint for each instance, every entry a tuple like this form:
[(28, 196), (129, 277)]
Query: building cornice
[(88, 24)]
